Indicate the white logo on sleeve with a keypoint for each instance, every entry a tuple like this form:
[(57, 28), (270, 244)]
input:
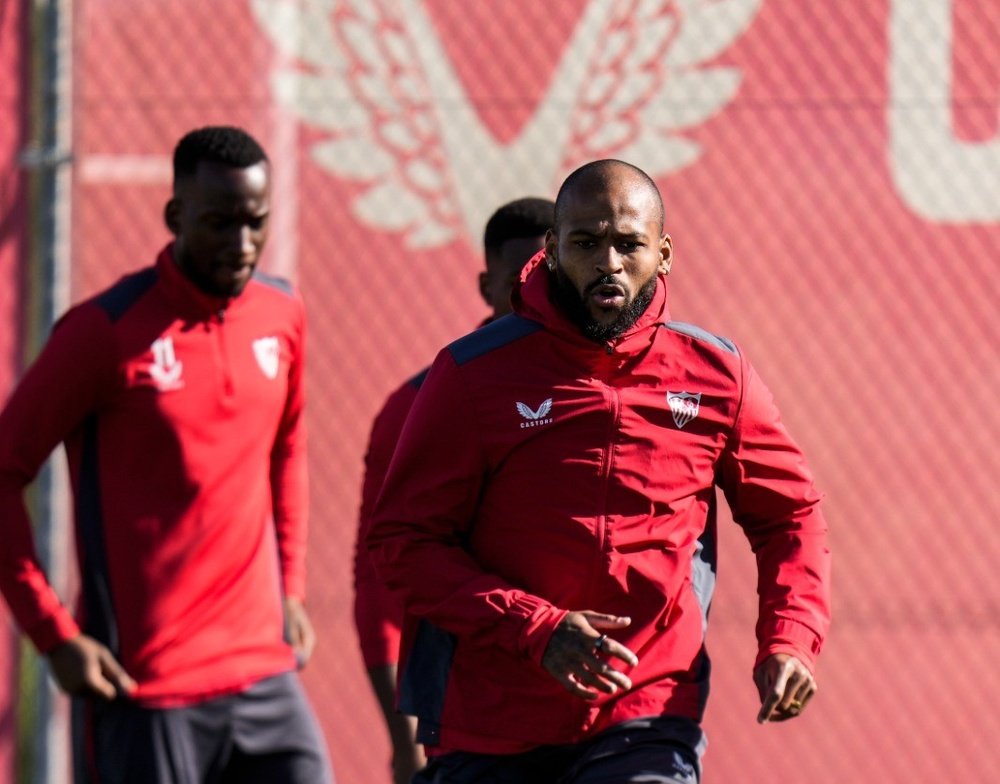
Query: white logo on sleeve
[(533, 417), (166, 370), (684, 406), (268, 354)]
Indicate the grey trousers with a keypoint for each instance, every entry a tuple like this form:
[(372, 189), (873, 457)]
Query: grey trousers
[(265, 734), (658, 750)]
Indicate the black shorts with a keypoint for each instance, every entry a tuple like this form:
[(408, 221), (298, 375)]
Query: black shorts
[(660, 750), (267, 733)]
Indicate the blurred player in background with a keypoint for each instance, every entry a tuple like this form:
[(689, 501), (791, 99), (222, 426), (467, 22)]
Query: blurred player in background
[(514, 233), (178, 393), (546, 510)]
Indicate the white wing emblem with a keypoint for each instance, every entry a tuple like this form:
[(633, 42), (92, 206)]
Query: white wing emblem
[(375, 78), (529, 413)]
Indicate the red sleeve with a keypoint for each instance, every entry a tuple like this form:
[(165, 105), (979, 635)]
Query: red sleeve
[(289, 471), (71, 376), (378, 614), (427, 504), (770, 489)]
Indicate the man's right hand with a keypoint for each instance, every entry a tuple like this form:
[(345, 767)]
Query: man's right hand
[(83, 667), (579, 663)]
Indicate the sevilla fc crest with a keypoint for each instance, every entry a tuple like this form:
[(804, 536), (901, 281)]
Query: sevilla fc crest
[(684, 406), (268, 355)]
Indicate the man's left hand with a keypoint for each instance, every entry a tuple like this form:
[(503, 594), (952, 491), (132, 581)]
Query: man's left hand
[(301, 635), (785, 685)]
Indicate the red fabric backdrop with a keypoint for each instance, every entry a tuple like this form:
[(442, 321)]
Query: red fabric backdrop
[(823, 215)]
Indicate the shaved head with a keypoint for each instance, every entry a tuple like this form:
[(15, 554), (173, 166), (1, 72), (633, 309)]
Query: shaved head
[(605, 175)]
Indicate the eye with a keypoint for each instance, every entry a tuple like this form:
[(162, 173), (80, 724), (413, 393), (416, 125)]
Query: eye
[(257, 223), (584, 244), (629, 246)]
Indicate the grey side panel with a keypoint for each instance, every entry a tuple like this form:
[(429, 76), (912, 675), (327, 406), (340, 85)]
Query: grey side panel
[(704, 335)]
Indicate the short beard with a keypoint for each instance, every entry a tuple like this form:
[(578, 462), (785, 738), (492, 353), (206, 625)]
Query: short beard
[(568, 299)]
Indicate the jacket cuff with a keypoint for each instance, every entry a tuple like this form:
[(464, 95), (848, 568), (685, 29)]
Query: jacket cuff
[(537, 630), (52, 631), (787, 636)]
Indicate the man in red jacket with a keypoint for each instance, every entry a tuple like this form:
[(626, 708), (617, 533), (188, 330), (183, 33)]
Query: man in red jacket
[(513, 234), (178, 393), (549, 515)]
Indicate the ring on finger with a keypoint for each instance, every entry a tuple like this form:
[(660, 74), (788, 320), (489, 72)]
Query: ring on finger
[(599, 642)]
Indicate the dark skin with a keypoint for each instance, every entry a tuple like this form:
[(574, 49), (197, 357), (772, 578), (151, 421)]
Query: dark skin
[(407, 755), (219, 218), (503, 266), (611, 225)]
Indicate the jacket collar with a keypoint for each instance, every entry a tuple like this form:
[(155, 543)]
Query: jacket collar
[(182, 293), (532, 299)]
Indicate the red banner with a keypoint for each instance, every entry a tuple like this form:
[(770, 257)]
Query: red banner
[(830, 177)]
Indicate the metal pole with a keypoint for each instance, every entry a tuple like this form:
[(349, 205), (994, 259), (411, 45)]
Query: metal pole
[(43, 716)]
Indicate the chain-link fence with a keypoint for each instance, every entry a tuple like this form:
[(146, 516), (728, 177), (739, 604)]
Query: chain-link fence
[(832, 179)]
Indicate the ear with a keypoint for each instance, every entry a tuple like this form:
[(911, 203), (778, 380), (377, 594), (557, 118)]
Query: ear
[(171, 216), (551, 245), (484, 287), (666, 254)]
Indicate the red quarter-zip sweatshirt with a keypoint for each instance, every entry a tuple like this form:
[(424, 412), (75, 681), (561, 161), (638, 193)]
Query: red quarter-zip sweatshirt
[(182, 417)]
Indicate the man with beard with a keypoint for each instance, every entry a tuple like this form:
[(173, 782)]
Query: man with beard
[(549, 515), (513, 234)]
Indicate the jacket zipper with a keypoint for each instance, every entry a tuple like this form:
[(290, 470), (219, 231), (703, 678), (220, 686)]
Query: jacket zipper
[(614, 399), (227, 376)]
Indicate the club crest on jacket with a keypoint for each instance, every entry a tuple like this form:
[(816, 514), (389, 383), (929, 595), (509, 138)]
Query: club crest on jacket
[(684, 406), (268, 355)]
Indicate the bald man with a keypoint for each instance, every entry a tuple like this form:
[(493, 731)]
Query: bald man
[(550, 516)]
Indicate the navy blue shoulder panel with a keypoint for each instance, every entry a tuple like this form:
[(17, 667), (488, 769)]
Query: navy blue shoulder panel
[(418, 380), (494, 335), (126, 292), (700, 334), (273, 281)]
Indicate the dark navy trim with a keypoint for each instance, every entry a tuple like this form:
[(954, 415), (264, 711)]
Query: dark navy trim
[(101, 621), (425, 677), (418, 380), (494, 335), (704, 335), (281, 284), (125, 293)]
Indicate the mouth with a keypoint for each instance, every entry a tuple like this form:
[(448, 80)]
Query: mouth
[(236, 269), (607, 295)]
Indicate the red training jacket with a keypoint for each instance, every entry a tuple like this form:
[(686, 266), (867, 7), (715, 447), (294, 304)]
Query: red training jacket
[(539, 472), (378, 613), (182, 417)]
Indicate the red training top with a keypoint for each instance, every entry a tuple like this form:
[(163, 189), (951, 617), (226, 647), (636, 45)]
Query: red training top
[(539, 472), (182, 416), (378, 613)]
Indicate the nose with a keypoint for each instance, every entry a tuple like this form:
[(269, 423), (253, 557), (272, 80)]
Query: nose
[(246, 241), (609, 261)]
